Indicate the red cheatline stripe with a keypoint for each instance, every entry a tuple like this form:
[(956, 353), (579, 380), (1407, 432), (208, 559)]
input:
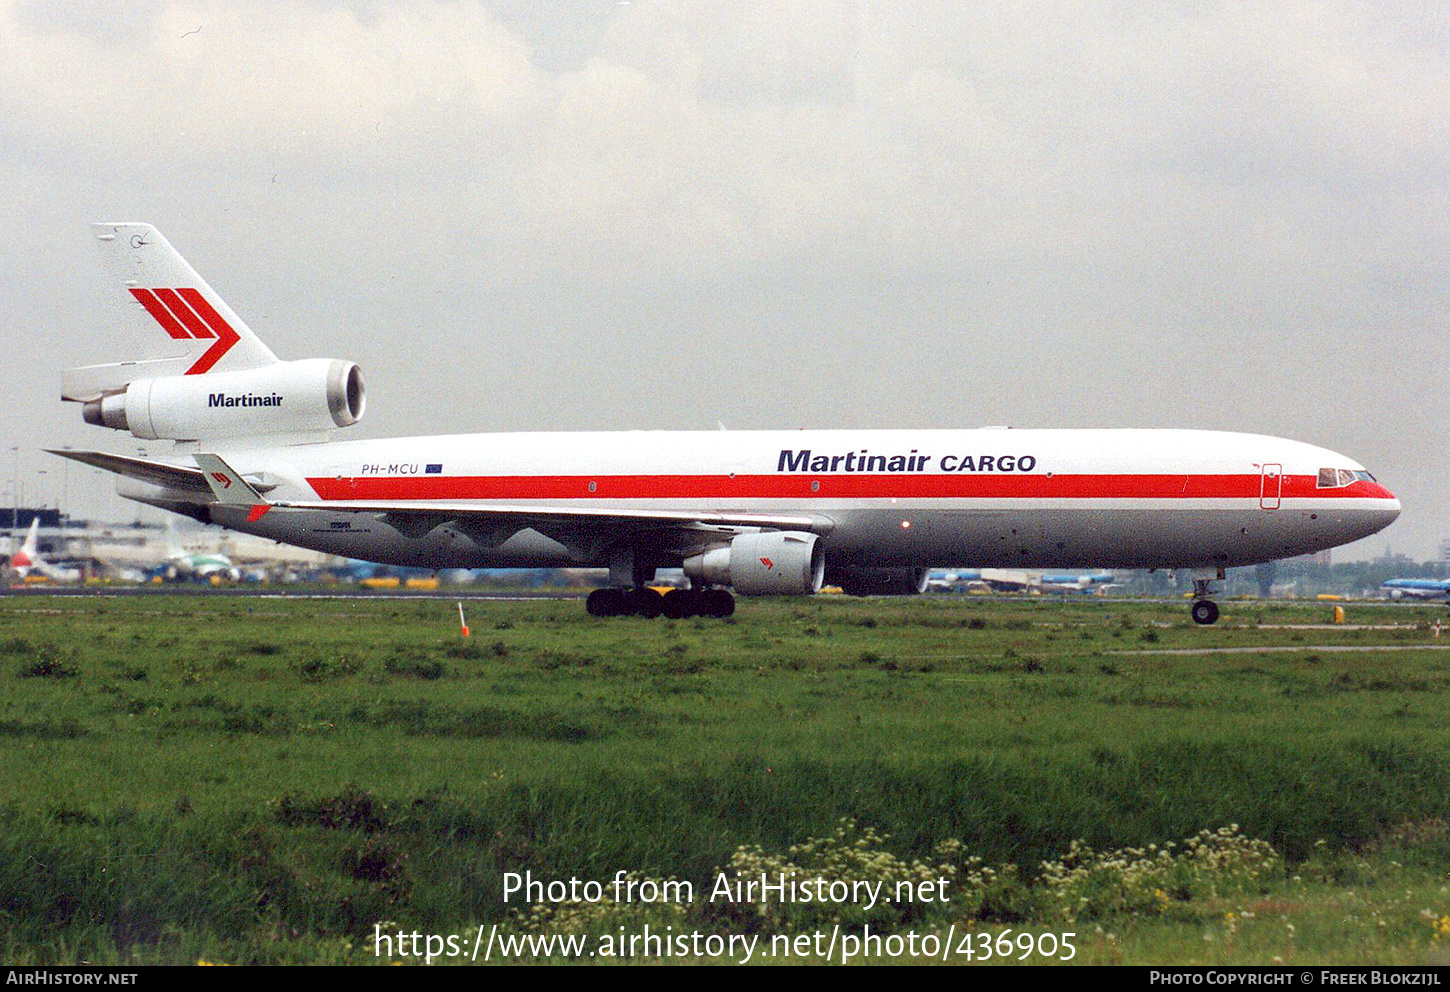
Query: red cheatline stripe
[(160, 313), (226, 337), (183, 313), (830, 487)]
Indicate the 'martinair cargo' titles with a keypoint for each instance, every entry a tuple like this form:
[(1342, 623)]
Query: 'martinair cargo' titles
[(863, 461), (247, 399)]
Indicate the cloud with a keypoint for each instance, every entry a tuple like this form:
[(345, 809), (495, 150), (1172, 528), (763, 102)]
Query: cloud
[(1223, 214), (782, 127), (297, 83)]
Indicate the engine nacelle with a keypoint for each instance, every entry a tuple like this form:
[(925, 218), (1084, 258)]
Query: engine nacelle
[(288, 397), (857, 581), (776, 563)]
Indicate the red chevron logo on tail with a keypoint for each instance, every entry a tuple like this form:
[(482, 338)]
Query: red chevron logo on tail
[(185, 314)]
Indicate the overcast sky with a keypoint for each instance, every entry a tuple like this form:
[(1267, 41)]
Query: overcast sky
[(601, 214)]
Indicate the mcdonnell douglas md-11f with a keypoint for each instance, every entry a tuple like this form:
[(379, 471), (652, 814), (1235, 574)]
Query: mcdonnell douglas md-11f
[(756, 512)]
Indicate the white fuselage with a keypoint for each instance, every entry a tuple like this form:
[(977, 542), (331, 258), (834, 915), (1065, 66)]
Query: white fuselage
[(911, 498)]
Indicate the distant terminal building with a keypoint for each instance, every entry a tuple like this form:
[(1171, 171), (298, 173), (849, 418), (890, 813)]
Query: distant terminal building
[(19, 519)]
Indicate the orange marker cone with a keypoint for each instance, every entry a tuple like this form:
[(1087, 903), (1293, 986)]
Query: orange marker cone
[(462, 622)]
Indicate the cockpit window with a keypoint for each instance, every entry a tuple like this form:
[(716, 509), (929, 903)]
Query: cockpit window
[(1334, 478)]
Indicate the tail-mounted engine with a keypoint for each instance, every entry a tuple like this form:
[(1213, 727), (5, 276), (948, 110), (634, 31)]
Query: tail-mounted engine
[(305, 396)]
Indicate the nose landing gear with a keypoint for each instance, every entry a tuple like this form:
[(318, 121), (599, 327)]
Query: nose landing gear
[(1204, 610)]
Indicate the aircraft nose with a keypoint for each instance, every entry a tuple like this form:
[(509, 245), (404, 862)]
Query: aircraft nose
[(1389, 511), (1384, 511)]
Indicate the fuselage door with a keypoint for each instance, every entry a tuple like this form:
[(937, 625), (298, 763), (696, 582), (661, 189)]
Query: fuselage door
[(1271, 485)]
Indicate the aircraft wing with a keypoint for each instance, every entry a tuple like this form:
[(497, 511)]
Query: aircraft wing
[(418, 515), (418, 518)]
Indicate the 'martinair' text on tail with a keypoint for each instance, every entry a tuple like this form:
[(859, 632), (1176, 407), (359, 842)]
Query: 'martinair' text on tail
[(201, 373)]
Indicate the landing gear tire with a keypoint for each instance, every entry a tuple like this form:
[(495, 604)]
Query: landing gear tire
[(718, 603), (642, 602), (646, 602), (604, 603), (1204, 612), (682, 603)]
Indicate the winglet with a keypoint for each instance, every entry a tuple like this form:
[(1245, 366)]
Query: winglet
[(229, 487)]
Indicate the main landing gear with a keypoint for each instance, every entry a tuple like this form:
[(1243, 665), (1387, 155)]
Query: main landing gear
[(677, 604)]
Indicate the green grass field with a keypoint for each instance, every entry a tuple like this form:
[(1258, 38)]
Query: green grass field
[(258, 780)]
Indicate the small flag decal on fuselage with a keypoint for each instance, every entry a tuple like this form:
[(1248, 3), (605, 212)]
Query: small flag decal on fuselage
[(434, 469)]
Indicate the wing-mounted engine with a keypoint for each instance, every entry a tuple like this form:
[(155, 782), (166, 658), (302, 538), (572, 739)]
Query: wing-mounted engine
[(305, 396), (773, 563), (856, 581)]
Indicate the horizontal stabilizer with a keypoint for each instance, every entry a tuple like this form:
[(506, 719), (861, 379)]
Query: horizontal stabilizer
[(91, 382), (189, 480)]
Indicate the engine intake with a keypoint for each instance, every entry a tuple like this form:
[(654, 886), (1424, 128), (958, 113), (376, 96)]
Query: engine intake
[(776, 563), (288, 397)]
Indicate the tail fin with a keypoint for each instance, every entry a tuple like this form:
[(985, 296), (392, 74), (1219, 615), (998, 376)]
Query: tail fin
[(25, 559), (191, 329), (31, 547), (173, 546)]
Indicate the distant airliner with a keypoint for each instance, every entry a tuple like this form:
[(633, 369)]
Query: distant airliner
[(27, 560), (1417, 588), (183, 564), (1019, 580), (1073, 582), (759, 512)]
